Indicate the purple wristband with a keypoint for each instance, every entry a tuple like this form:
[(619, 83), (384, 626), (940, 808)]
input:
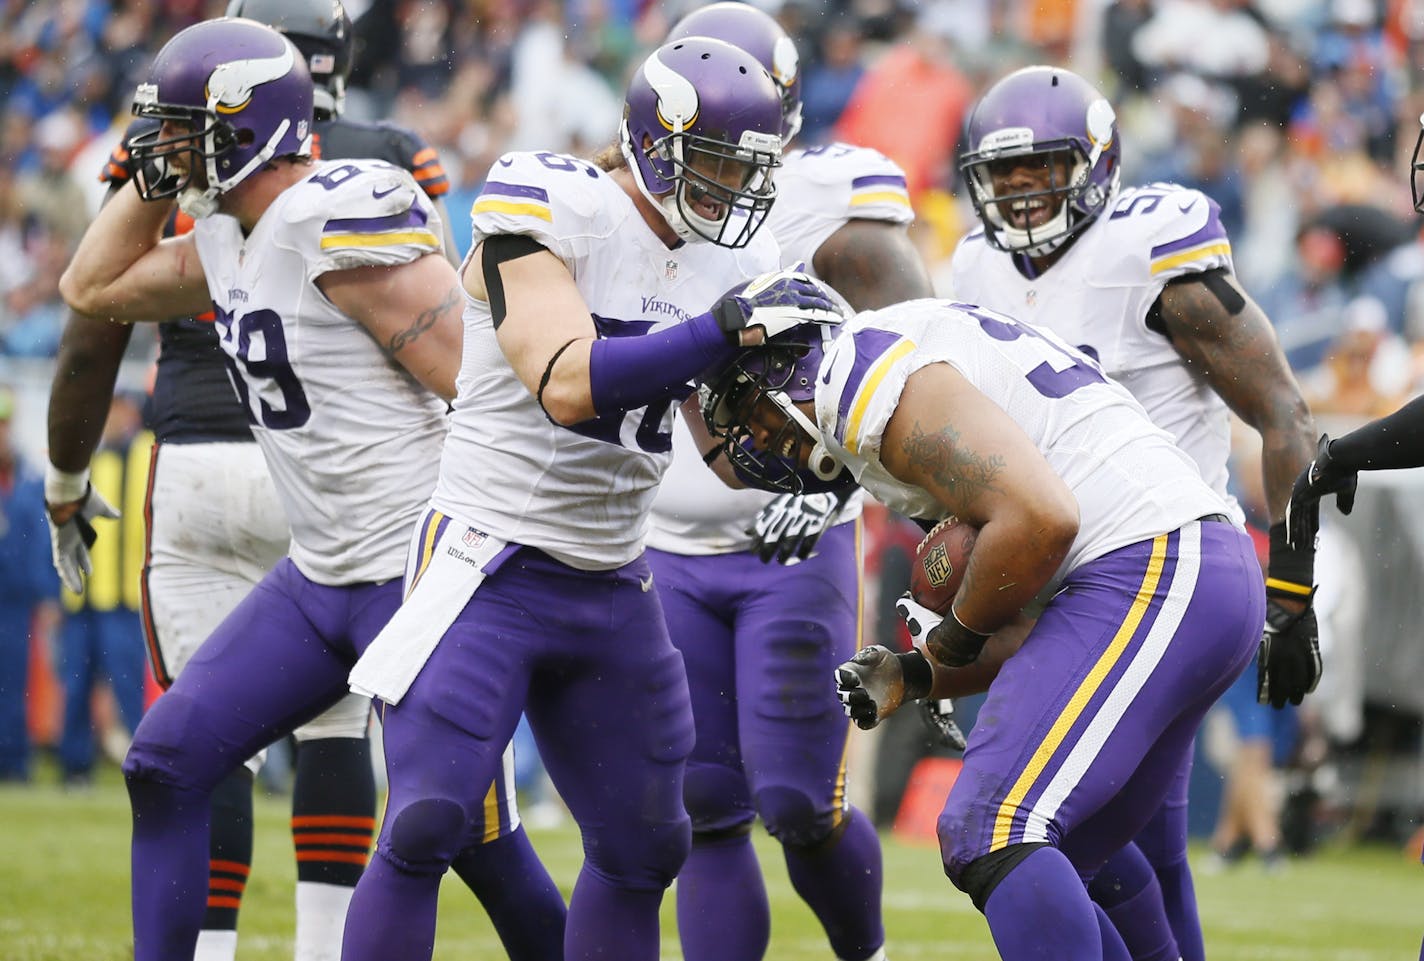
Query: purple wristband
[(625, 373)]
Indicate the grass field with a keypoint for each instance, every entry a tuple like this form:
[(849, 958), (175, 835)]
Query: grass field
[(64, 884)]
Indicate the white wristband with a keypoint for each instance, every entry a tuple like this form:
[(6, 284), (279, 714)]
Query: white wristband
[(63, 487)]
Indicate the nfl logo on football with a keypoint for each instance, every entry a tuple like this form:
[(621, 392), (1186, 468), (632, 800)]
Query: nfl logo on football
[(937, 566)]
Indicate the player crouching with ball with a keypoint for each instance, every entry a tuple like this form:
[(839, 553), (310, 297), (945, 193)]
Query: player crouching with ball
[(1152, 599)]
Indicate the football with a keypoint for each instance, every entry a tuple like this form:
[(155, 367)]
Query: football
[(939, 564)]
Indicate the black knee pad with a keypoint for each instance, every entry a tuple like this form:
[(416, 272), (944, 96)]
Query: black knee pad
[(425, 836), (791, 816), (717, 836), (983, 874)]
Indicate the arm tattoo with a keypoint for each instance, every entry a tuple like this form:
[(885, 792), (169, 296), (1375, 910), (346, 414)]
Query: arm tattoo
[(939, 456), (423, 322)]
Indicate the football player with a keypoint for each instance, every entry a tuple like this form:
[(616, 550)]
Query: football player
[(586, 293), (1141, 278), (771, 738), (338, 315), (1151, 603), (216, 527)]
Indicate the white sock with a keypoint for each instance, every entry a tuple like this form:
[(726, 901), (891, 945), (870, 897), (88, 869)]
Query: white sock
[(321, 919), (216, 945), (879, 954)]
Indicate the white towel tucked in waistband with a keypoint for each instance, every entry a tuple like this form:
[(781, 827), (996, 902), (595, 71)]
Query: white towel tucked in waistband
[(448, 581)]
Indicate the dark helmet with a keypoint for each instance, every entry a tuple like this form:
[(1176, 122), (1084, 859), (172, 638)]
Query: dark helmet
[(1036, 112), (704, 99), (758, 33), (783, 372), (243, 91), (322, 31)]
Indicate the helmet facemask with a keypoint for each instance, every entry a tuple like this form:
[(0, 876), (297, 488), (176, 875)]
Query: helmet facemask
[(1041, 116), (735, 178), (761, 389)]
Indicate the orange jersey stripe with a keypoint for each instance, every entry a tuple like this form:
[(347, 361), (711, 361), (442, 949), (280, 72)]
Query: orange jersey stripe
[(320, 840), (344, 857), (230, 867), (421, 156), (433, 172), (226, 884), (332, 821), (233, 903)]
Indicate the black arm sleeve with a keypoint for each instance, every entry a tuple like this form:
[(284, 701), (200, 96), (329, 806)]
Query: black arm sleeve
[(1391, 442)]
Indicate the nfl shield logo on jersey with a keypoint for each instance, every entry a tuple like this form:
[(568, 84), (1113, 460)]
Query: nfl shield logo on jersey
[(670, 269), (474, 538)]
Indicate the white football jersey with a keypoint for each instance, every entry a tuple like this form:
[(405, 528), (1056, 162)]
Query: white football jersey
[(350, 437), (581, 494), (818, 191), (1097, 297), (1131, 481)]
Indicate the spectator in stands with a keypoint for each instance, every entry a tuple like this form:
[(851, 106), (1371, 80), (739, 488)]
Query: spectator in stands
[(28, 591)]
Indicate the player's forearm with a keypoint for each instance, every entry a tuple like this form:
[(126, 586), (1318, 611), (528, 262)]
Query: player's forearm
[(1389, 443), (125, 229), (86, 368), (1010, 564), (1287, 448)]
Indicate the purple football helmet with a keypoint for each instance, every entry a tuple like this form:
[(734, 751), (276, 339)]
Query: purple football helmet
[(243, 95), (701, 134), (783, 374), (1037, 113), (760, 35)]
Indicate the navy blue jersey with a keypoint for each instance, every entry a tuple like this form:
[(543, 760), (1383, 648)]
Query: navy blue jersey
[(193, 398)]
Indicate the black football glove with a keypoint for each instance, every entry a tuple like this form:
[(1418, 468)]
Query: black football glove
[(788, 528), (1321, 478), (939, 718), (1288, 662)]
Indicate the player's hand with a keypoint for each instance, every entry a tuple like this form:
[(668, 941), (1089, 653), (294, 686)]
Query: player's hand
[(789, 527), (1288, 662), (920, 620), (1321, 478), (776, 302), (71, 534), (871, 686), (939, 718)]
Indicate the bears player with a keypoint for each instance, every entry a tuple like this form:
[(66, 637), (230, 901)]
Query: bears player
[(1152, 606), (587, 288), (1141, 278), (338, 315), (771, 740), (215, 532)]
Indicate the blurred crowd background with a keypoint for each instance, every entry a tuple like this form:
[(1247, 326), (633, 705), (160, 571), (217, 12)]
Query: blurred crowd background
[(1298, 116)]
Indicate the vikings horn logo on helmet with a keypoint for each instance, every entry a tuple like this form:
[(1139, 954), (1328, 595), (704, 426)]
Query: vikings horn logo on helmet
[(231, 84), (677, 97)]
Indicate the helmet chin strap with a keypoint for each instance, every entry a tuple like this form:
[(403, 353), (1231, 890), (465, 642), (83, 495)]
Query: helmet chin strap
[(822, 462)]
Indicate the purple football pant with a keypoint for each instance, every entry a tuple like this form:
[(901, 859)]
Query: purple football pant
[(586, 656), (761, 642), (277, 661), (1087, 725)]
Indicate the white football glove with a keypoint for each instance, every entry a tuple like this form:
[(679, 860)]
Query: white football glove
[(918, 618), (776, 302), (789, 527), (70, 542)]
